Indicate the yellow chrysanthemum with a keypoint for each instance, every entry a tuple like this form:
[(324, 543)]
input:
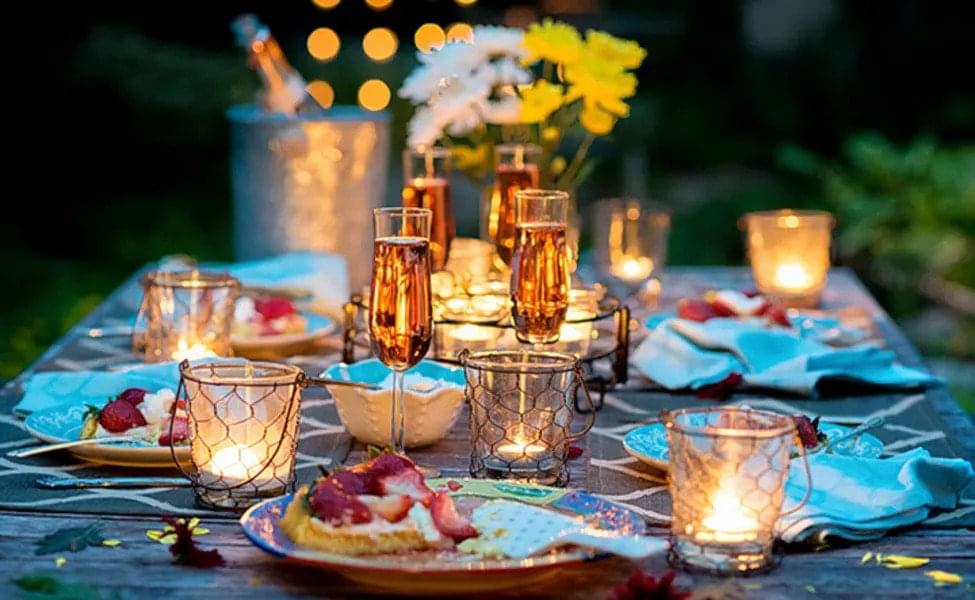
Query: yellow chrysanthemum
[(596, 120), (540, 100), (627, 54), (553, 41), (558, 165)]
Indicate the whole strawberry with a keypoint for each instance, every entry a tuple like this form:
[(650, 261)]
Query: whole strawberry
[(809, 431), (119, 416), (273, 307), (133, 396)]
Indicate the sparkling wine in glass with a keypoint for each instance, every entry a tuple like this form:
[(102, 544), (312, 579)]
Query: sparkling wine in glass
[(540, 277), (516, 169), (427, 185), (400, 307)]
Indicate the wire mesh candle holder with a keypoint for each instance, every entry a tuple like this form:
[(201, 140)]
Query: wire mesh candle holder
[(185, 314), (243, 429), (727, 472), (521, 413)]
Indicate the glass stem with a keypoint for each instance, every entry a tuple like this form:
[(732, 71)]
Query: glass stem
[(397, 424)]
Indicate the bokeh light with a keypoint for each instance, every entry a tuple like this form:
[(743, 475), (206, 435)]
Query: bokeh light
[(326, 4), (374, 95), (323, 44), (465, 2), (429, 37), (380, 44), (379, 4), (322, 92), (460, 32)]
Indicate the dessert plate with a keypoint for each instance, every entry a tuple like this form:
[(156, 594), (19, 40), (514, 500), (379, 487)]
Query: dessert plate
[(284, 344), (648, 443), (63, 424), (451, 572)]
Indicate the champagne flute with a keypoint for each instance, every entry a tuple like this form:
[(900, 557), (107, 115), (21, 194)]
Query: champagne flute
[(516, 169), (426, 173), (540, 278), (400, 309)]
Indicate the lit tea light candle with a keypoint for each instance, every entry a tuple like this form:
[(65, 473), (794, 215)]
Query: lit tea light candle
[(632, 268), (728, 522), (488, 306), (236, 464), (469, 332), (793, 276), (188, 352), (521, 450)]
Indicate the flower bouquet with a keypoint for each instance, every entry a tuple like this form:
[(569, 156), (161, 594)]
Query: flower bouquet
[(547, 85)]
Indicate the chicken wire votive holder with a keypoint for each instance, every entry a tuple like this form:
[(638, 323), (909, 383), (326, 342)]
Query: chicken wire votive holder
[(727, 472), (243, 429), (521, 413), (185, 315)]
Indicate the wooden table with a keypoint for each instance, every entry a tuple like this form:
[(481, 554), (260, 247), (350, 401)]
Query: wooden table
[(139, 568)]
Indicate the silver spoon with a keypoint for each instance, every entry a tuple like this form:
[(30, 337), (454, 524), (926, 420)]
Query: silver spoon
[(871, 424), (26, 452)]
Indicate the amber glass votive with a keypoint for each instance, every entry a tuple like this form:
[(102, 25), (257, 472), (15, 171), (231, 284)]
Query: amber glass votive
[(789, 254)]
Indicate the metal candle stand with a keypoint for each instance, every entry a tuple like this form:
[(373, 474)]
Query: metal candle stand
[(616, 352)]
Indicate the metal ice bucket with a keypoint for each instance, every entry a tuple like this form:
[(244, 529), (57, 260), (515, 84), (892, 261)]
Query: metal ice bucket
[(308, 183)]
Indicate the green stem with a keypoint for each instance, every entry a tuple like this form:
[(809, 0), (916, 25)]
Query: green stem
[(577, 159)]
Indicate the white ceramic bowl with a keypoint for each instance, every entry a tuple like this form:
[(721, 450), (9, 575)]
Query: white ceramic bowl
[(429, 414)]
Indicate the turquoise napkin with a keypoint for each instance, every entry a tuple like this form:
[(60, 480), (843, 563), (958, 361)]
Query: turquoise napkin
[(53, 388), (680, 354), (864, 498), (325, 275)]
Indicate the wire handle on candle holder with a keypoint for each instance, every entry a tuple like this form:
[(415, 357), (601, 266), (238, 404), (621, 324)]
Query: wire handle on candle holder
[(590, 411), (292, 406), (797, 440)]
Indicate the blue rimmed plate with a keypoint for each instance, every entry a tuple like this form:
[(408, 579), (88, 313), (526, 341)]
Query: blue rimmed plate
[(439, 572), (63, 424), (269, 346), (648, 443)]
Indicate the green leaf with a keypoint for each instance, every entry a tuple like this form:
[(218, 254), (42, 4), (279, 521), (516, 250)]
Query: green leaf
[(71, 539), (53, 588)]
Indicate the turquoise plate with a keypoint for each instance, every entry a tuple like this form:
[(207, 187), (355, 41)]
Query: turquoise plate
[(648, 443)]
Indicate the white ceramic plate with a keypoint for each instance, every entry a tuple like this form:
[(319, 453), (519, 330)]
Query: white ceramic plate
[(648, 443), (286, 343), (63, 424)]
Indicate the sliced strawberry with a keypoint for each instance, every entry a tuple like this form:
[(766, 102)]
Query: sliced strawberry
[(333, 505), (181, 430), (448, 521), (721, 309), (408, 482), (388, 463), (391, 508), (695, 309), (273, 307), (454, 486), (777, 315), (354, 482), (119, 416), (133, 396)]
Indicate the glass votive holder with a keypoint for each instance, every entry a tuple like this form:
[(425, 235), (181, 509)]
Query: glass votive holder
[(521, 413), (727, 472), (576, 333), (185, 315), (243, 429), (630, 238), (789, 254)]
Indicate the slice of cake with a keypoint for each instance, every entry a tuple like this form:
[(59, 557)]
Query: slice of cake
[(379, 507)]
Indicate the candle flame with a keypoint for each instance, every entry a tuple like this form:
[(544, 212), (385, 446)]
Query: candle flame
[(632, 268), (197, 350), (235, 462), (728, 520), (793, 276)]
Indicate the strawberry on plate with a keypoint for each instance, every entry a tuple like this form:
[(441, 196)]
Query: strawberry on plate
[(448, 521), (180, 431), (133, 396), (119, 416), (408, 482), (809, 432), (334, 505), (392, 508)]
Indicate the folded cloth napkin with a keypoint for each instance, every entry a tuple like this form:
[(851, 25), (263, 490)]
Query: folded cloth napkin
[(326, 276), (864, 498), (680, 353), (53, 388)]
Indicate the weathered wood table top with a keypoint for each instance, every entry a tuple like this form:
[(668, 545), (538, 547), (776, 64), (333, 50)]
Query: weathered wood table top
[(141, 568)]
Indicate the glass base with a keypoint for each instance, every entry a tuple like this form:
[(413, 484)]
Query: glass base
[(545, 471), (237, 499), (720, 558)]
